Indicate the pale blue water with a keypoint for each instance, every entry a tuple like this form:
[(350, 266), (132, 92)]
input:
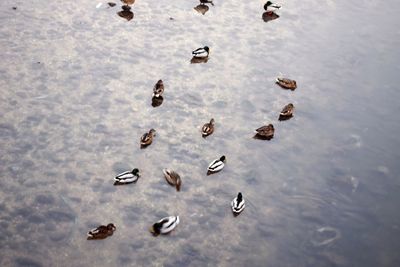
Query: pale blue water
[(76, 85)]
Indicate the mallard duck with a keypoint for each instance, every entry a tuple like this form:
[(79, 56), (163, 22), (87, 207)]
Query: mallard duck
[(216, 165), (126, 13), (208, 128), (147, 138), (101, 232), (127, 177), (271, 7), (202, 8), (173, 178), (165, 225), (158, 89), (128, 2), (266, 131), (201, 52), (237, 204), (286, 83), (207, 2), (286, 112)]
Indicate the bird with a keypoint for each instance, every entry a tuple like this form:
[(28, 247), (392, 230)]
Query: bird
[(271, 7), (101, 232), (286, 83), (128, 2), (266, 131), (127, 177), (147, 138), (173, 178), (165, 225), (237, 204), (286, 112), (201, 52), (206, 2), (208, 128), (158, 89), (216, 165)]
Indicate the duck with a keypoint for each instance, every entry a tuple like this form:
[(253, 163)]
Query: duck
[(128, 2), (201, 52), (101, 232), (216, 165), (266, 131), (158, 89), (206, 2), (237, 204), (286, 83), (147, 138), (165, 225), (286, 112), (126, 13), (271, 7), (208, 128), (127, 177), (173, 178)]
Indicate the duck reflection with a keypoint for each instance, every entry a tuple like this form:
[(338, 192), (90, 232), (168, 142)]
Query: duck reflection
[(157, 101), (196, 60), (203, 8), (126, 13), (268, 15)]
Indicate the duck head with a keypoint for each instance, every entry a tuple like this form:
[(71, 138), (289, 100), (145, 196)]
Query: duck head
[(135, 171), (111, 227), (152, 131), (155, 229), (239, 197), (212, 121), (222, 158), (207, 49)]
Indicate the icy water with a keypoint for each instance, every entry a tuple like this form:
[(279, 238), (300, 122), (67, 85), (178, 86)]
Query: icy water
[(76, 84)]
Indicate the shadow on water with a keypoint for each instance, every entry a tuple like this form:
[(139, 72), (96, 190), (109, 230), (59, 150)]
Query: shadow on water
[(156, 101), (196, 60), (126, 13), (268, 16)]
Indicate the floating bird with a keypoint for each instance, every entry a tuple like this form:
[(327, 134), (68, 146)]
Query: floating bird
[(237, 204), (165, 225), (126, 13), (201, 52), (128, 2), (265, 132), (147, 138), (173, 178), (271, 7), (127, 177), (158, 89), (287, 112), (208, 128), (207, 2), (216, 165), (101, 232), (286, 83)]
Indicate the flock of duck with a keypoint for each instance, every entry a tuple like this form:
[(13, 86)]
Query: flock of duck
[(266, 132)]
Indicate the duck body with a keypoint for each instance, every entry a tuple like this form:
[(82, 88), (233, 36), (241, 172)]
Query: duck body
[(126, 13), (101, 232), (271, 7), (128, 2), (266, 131), (147, 138), (165, 225), (158, 89), (286, 83), (208, 128), (201, 52), (238, 204), (206, 2), (286, 112), (173, 178), (127, 177), (216, 165)]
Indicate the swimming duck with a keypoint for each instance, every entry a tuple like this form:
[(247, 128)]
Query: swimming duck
[(216, 165), (158, 89), (286, 112), (128, 2), (173, 178), (271, 7), (207, 2), (165, 225), (237, 204), (286, 83), (127, 177), (101, 232), (147, 138), (208, 128), (201, 52), (266, 131)]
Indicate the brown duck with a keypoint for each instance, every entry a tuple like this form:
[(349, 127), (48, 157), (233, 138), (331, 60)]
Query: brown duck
[(286, 83), (101, 232)]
